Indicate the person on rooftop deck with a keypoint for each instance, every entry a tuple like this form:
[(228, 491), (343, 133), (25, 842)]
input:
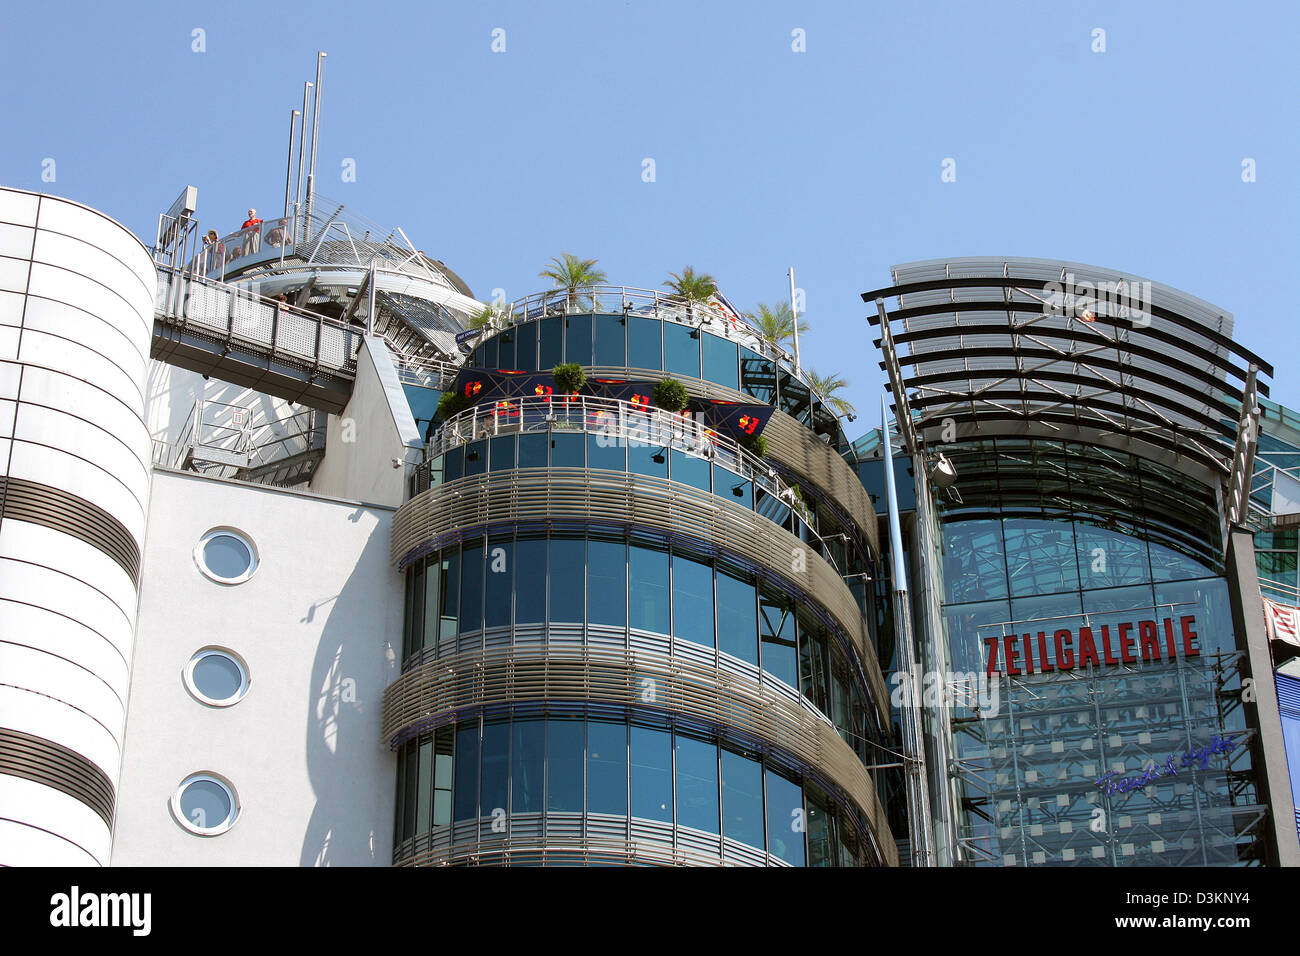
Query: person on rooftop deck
[(252, 233)]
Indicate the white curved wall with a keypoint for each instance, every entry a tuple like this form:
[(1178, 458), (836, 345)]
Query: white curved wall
[(76, 316)]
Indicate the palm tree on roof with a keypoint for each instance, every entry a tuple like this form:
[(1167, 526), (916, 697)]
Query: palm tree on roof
[(690, 286), (572, 274), (775, 325), (828, 386)]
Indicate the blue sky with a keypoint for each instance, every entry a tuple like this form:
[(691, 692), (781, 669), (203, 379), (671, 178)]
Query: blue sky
[(828, 160)]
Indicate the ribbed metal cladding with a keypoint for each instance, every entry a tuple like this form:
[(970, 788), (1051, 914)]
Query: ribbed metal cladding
[(576, 494), (789, 443), (59, 510), (437, 690), (48, 763)]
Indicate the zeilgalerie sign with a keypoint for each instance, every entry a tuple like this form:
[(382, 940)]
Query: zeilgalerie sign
[(1139, 642)]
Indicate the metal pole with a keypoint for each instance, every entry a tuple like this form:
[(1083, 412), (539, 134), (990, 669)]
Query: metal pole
[(302, 144), (918, 798), (315, 132), (370, 301), (288, 170), (795, 312)]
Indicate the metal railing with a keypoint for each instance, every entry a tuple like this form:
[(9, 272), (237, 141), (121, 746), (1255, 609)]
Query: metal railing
[(622, 423), (222, 440), (232, 315)]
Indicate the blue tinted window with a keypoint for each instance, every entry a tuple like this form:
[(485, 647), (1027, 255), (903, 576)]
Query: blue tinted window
[(424, 793), (648, 589), (1041, 555), (812, 663), (607, 768), (606, 451), (974, 566), (644, 348), (533, 449), (471, 588), (784, 819), (720, 361), (530, 581), (611, 341), (796, 399), (568, 450), (757, 376), (693, 600), (491, 359), (503, 453), (607, 580), (645, 459), (496, 768), (776, 623), (564, 761), (683, 350), (652, 774), (819, 830), (577, 339), (550, 344), (567, 562), (742, 798), (526, 346), (733, 487), (690, 470), (737, 618), (527, 764), (453, 464), (697, 784), (424, 605), (506, 354), (500, 577), (450, 594)]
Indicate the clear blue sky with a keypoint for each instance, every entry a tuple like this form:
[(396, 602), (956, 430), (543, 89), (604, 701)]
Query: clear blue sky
[(828, 160)]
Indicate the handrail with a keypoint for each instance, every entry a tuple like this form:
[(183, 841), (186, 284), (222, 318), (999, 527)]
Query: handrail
[(621, 422)]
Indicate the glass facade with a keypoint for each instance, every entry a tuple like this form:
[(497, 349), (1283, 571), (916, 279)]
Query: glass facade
[(655, 344), (612, 591), (606, 780), (571, 775), (816, 523), (1087, 726)]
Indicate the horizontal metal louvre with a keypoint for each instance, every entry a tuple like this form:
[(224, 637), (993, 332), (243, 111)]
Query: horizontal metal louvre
[(436, 692), (59, 510), (45, 762), (550, 498)]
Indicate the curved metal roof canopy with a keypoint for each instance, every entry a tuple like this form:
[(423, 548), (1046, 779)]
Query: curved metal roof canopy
[(1042, 348)]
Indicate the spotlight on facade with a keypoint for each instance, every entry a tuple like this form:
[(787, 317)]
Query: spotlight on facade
[(942, 472)]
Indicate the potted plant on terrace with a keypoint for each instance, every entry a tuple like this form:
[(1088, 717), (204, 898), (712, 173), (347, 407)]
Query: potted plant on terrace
[(670, 395), (569, 377)]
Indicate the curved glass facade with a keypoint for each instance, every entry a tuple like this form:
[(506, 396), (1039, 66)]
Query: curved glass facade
[(593, 785), (526, 772), (1090, 638), (810, 520), (656, 344), (523, 588)]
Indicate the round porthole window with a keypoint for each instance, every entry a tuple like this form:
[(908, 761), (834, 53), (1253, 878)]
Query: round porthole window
[(205, 803), (217, 676), (226, 556)]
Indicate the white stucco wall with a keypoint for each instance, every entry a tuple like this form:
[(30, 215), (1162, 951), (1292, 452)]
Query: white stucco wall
[(318, 623), (375, 428)]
